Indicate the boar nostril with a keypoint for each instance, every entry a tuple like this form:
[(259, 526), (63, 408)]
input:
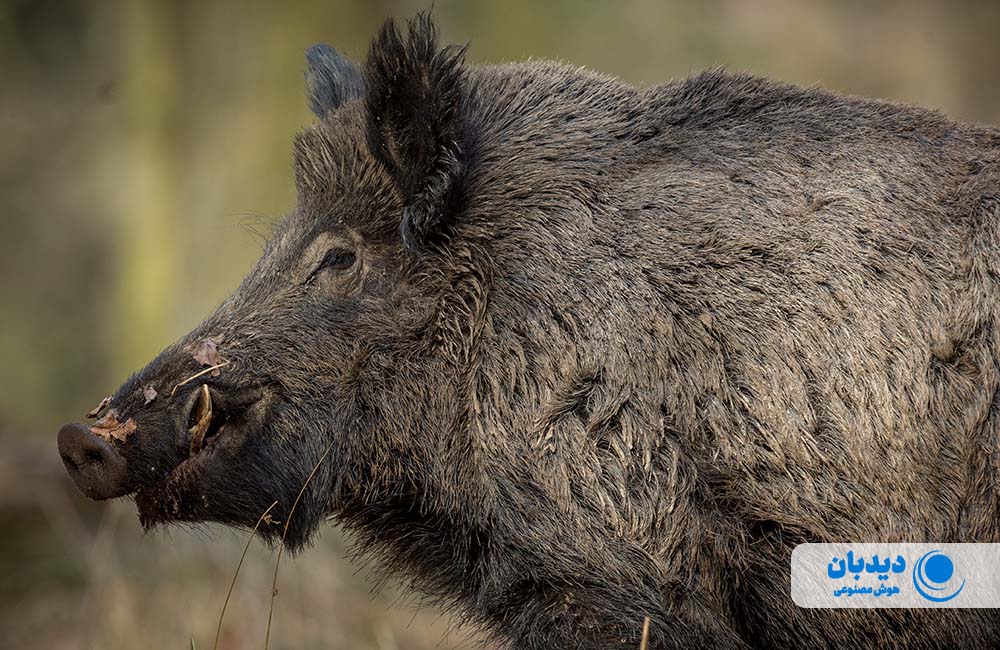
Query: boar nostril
[(93, 464)]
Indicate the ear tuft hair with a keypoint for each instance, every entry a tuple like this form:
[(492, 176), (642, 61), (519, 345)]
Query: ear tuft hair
[(414, 91), (331, 78)]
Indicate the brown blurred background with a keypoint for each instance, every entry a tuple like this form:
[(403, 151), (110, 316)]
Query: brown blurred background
[(145, 151)]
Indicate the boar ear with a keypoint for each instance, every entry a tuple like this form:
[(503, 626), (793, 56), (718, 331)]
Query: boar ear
[(412, 100), (331, 78)]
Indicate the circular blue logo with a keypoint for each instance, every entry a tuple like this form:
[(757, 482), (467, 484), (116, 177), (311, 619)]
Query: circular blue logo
[(931, 576)]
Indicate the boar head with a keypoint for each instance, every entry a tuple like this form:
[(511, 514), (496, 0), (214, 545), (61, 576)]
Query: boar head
[(349, 336)]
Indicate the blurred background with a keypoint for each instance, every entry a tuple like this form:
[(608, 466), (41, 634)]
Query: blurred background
[(145, 151)]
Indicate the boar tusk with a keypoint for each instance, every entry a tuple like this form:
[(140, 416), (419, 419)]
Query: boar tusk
[(203, 418)]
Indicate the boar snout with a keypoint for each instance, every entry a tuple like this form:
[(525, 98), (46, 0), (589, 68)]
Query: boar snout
[(95, 467)]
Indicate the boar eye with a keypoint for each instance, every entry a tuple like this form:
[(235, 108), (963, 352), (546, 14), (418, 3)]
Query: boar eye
[(338, 260)]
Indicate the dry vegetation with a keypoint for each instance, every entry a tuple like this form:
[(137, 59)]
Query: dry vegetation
[(89, 578)]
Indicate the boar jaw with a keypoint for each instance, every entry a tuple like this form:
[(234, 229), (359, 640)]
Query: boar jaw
[(219, 420)]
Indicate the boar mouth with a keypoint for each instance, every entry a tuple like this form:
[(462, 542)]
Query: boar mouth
[(217, 419)]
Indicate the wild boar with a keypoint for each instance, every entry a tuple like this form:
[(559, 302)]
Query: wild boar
[(583, 353)]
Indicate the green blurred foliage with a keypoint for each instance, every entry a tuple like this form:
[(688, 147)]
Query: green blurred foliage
[(145, 151)]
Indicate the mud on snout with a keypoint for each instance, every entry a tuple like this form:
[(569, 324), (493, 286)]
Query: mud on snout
[(165, 434)]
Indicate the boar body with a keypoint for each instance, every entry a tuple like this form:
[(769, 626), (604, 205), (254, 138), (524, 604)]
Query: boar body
[(587, 353)]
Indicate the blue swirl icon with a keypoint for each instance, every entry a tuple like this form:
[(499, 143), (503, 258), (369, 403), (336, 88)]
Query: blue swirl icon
[(932, 573)]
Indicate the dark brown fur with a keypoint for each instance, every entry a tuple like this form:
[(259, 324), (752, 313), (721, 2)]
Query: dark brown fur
[(608, 353)]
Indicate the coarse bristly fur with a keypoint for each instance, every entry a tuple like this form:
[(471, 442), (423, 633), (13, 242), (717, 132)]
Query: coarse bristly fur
[(589, 353)]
